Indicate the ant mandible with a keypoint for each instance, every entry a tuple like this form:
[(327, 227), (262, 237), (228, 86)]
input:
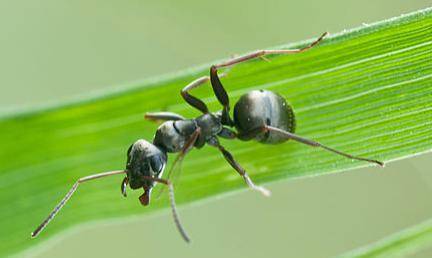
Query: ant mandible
[(261, 115)]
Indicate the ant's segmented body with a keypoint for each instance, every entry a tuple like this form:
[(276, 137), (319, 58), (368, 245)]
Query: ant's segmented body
[(261, 115)]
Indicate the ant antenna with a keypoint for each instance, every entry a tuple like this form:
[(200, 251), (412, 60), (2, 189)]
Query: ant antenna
[(73, 189), (69, 194)]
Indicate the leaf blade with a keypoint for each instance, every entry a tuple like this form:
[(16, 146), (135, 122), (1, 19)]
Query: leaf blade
[(400, 244), (366, 92)]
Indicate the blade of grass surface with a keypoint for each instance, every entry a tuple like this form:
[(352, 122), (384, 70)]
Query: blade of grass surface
[(367, 92), (401, 244)]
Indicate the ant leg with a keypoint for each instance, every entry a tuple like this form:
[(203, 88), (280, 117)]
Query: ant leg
[(123, 185), (194, 101), (186, 148), (69, 195), (173, 205), (262, 53), (227, 133), (228, 156), (178, 160), (221, 95), (218, 88), (312, 143), (191, 100), (164, 116)]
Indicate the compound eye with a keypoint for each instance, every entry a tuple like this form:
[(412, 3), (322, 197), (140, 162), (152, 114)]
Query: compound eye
[(157, 164)]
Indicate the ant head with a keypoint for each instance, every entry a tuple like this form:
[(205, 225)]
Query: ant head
[(144, 159)]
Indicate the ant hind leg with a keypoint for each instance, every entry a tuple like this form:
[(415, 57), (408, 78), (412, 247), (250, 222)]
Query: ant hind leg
[(288, 135)]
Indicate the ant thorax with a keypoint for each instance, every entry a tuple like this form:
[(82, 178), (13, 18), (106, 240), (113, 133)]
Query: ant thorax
[(171, 136)]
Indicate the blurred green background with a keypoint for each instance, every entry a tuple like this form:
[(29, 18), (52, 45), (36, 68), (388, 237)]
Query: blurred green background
[(54, 51)]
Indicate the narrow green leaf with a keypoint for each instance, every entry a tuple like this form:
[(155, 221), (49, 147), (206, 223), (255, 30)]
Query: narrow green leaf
[(401, 244), (367, 92)]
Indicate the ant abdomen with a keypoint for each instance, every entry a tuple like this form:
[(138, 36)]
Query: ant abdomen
[(258, 108)]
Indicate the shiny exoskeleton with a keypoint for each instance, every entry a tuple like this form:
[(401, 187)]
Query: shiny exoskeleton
[(260, 115), (261, 107)]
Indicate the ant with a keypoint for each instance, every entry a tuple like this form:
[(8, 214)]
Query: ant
[(260, 115)]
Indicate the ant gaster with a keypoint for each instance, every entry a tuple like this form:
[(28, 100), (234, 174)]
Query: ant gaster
[(261, 115)]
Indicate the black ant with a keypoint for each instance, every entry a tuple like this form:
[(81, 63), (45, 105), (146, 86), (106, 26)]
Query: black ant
[(261, 115)]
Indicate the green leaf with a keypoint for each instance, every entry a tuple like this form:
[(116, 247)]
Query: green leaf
[(401, 244), (367, 92)]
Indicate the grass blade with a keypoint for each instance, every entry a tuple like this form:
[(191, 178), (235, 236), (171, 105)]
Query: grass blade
[(401, 244), (367, 92)]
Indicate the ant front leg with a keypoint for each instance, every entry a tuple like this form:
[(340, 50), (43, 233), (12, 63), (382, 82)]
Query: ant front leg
[(174, 212)]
